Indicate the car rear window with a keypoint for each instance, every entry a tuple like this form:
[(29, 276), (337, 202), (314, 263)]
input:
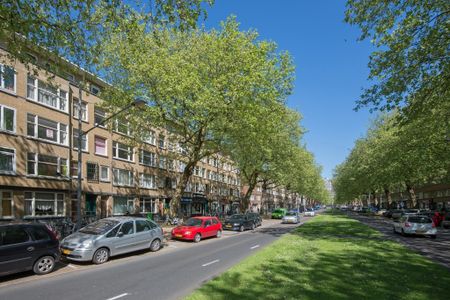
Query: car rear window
[(422, 220), (39, 234)]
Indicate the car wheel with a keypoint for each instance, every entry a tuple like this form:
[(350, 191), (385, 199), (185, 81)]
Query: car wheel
[(155, 245), (433, 236), (241, 228), (197, 238), (44, 265), (219, 233), (100, 256)]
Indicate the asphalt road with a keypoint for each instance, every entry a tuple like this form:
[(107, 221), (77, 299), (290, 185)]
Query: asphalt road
[(437, 250), (171, 273)]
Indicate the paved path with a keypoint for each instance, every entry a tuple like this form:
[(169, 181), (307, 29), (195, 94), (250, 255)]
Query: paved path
[(171, 273), (437, 250)]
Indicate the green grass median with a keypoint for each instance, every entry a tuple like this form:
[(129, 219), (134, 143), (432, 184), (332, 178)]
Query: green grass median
[(331, 257)]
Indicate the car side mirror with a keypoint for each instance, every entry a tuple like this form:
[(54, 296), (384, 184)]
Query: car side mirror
[(120, 234)]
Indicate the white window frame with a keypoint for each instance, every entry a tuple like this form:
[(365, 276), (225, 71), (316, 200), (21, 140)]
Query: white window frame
[(58, 167), (33, 204), (152, 158), (153, 181), (116, 127), (84, 149), (2, 116), (98, 112), (130, 173), (106, 146), (1, 204), (76, 102), (58, 129), (153, 204), (151, 138), (2, 79), (100, 174), (115, 150), (14, 160), (35, 94)]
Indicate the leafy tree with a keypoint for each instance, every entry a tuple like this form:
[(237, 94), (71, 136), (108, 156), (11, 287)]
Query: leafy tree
[(74, 29), (410, 69), (202, 85)]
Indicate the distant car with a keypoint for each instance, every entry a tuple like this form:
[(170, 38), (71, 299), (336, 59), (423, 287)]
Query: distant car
[(108, 237), (415, 224), (197, 228), (27, 246), (256, 218), (381, 212), (278, 213), (239, 222), (291, 217), (309, 212)]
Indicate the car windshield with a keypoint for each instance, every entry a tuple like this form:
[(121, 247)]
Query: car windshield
[(99, 227), (193, 222), (291, 214), (278, 211), (419, 219), (237, 217)]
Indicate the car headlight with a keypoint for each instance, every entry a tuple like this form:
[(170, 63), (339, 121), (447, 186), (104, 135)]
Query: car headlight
[(236, 224), (85, 245), (187, 232)]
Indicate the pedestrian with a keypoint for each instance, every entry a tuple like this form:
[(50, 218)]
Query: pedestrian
[(436, 218)]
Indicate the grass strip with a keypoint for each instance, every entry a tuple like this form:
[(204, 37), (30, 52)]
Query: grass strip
[(331, 257)]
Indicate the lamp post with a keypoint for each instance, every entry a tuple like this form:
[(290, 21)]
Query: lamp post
[(138, 101)]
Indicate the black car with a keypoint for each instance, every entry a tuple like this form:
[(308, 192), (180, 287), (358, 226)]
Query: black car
[(239, 222), (27, 246), (255, 217)]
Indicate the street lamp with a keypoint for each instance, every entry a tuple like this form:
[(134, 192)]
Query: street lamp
[(137, 102)]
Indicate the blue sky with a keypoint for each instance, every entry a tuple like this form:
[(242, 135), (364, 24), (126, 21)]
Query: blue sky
[(331, 66)]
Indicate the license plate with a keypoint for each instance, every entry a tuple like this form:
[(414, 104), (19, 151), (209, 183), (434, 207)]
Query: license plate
[(228, 226), (178, 235), (65, 251)]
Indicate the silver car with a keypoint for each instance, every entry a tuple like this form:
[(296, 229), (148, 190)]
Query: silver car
[(107, 237), (415, 224), (291, 217)]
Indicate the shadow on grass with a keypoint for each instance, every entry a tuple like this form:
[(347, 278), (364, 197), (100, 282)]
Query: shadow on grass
[(313, 263)]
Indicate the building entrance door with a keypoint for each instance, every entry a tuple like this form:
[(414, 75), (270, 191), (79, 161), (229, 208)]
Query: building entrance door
[(91, 205)]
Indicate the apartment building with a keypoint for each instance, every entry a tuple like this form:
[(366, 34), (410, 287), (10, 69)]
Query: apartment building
[(39, 145)]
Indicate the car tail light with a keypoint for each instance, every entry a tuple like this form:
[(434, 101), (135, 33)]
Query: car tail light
[(407, 224)]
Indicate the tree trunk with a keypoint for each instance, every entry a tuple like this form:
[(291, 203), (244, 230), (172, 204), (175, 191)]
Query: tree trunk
[(387, 192), (412, 195), (252, 181), (175, 203)]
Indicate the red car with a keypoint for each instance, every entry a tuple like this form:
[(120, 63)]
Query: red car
[(197, 228)]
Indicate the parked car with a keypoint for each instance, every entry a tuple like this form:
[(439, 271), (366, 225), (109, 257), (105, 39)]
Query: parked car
[(256, 218), (446, 221), (310, 212), (415, 224), (381, 212), (291, 217), (239, 222), (278, 213), (197, 228), (100, 240), (27, 246)]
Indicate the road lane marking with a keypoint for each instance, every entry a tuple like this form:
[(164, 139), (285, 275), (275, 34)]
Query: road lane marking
[(118, 296), (210, 263), (254, 247)]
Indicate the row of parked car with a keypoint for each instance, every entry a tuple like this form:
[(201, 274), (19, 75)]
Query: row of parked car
[(412, 221), (35, 246)]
